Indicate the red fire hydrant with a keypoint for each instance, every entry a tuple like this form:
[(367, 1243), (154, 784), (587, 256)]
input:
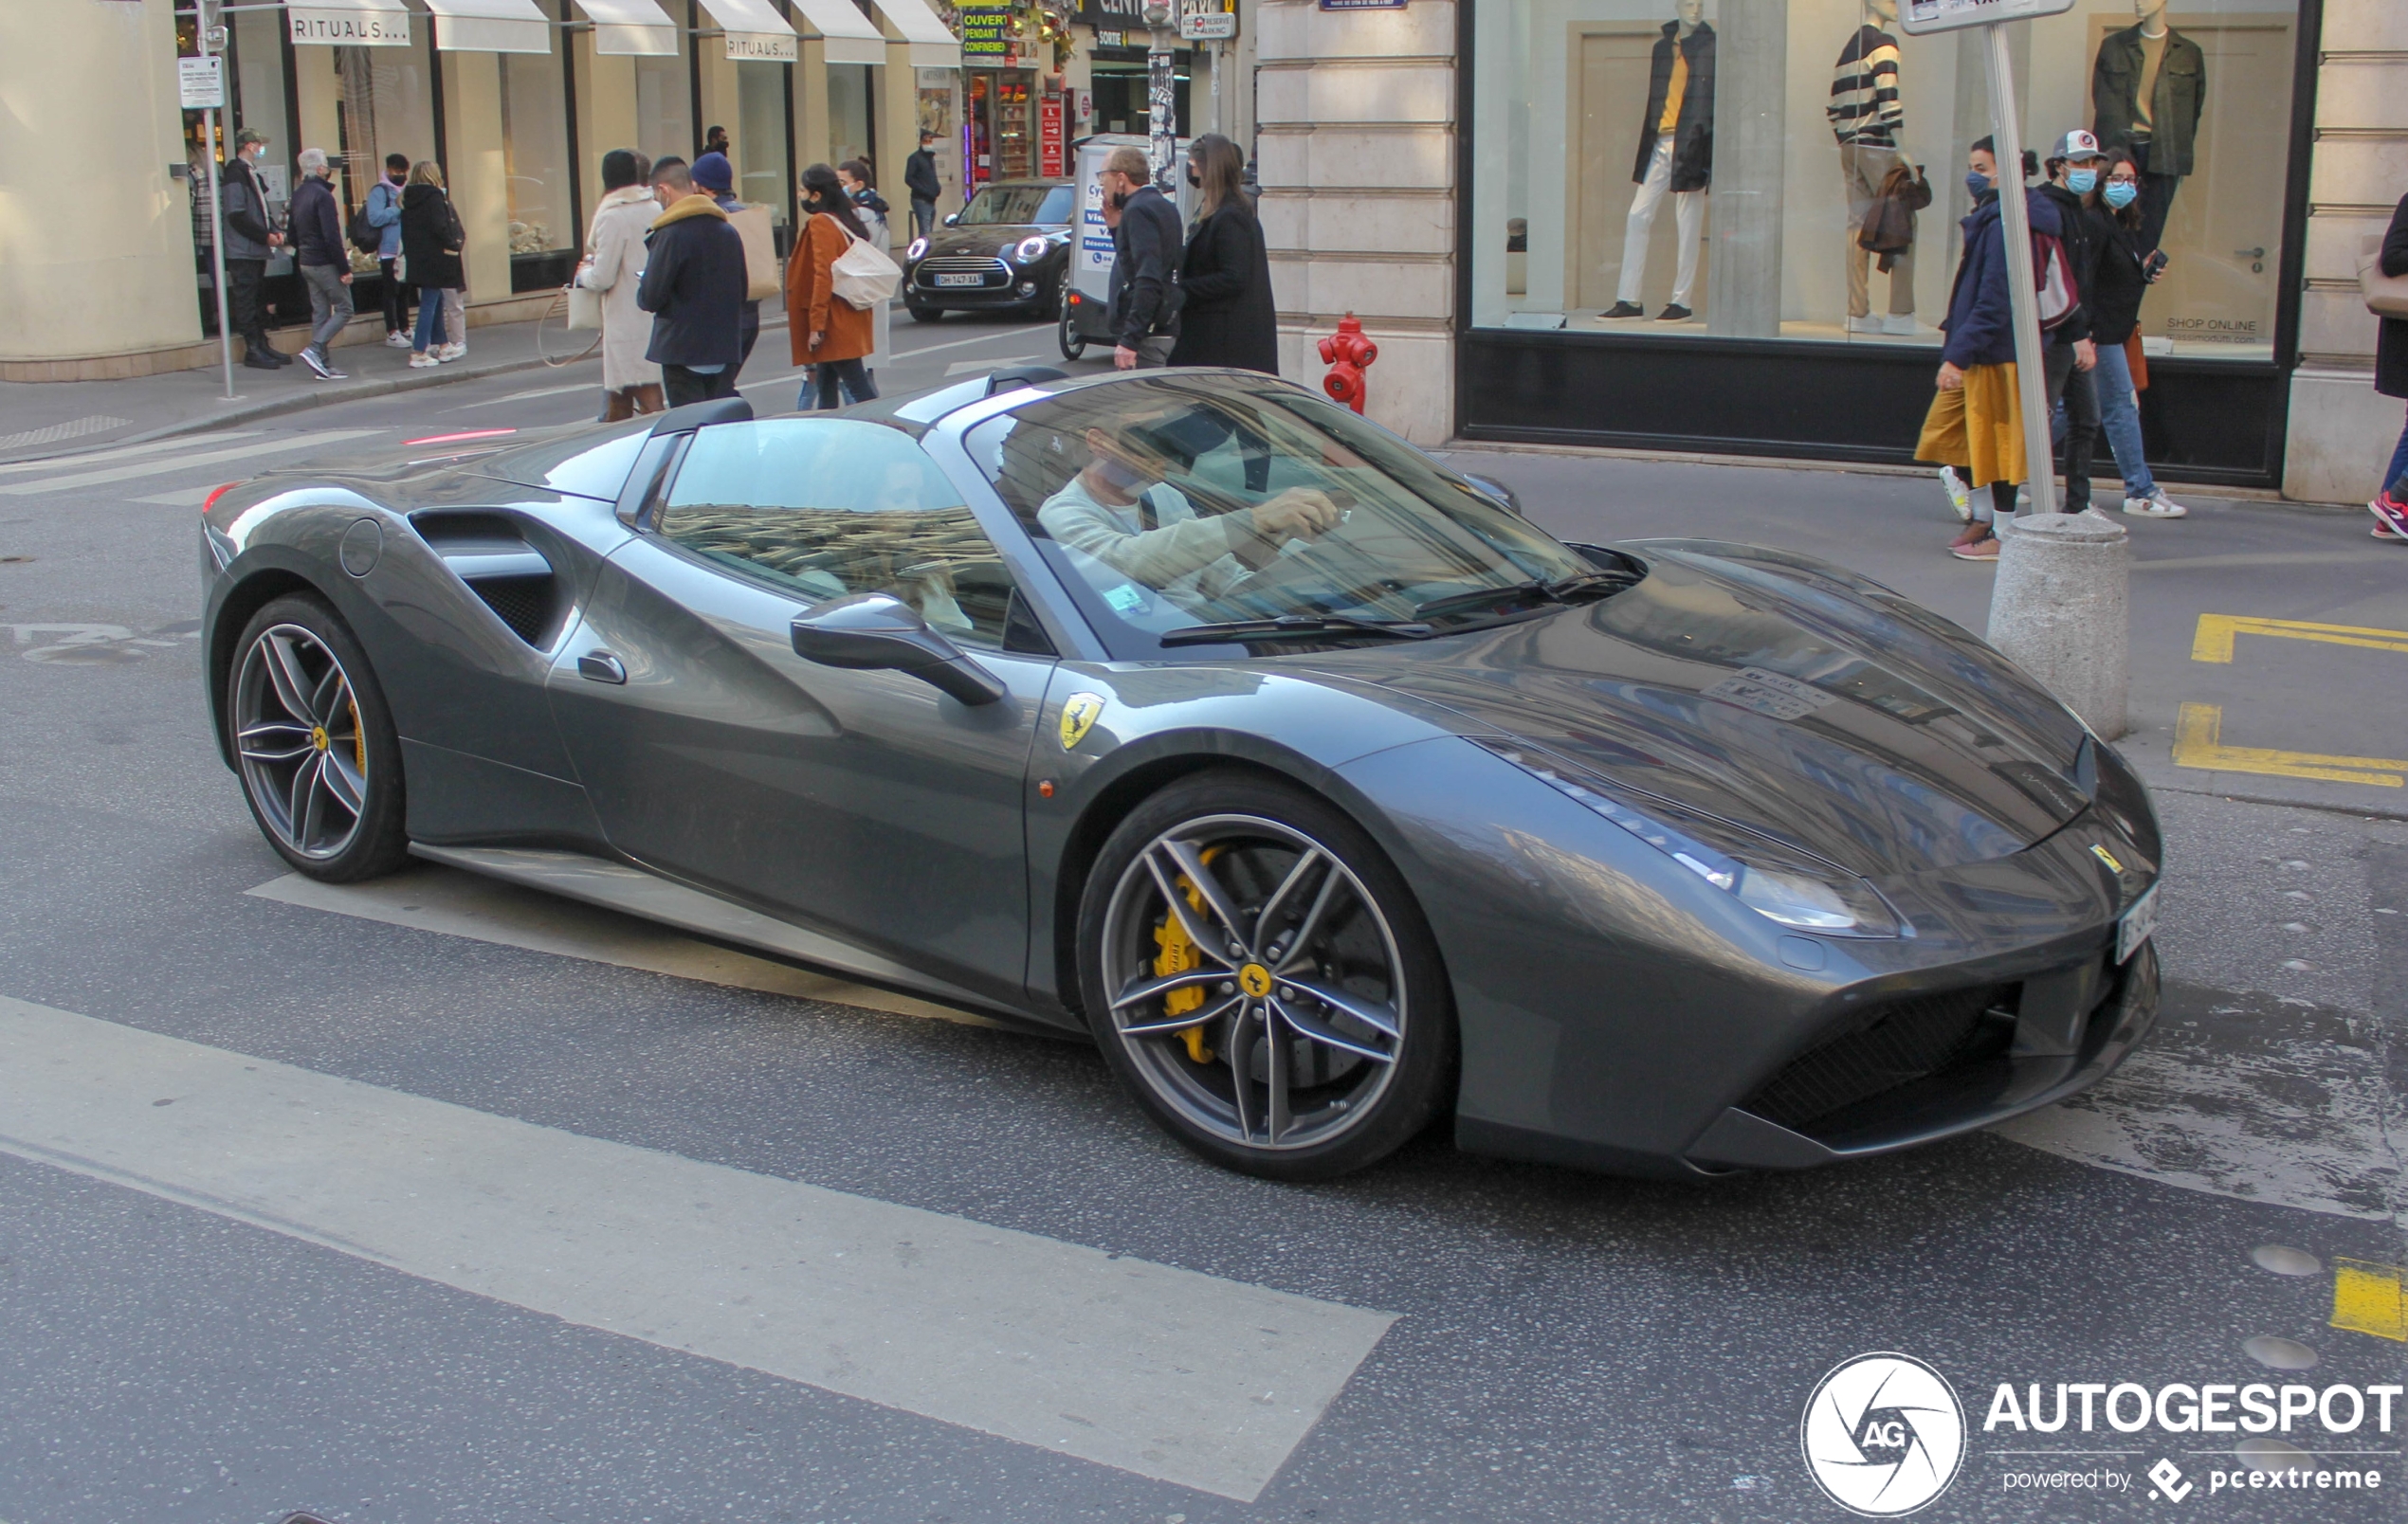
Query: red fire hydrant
[(1348, 355)]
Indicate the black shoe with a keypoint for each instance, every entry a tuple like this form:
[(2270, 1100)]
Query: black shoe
[(1625, 309), (274, 355), (257, 360), (1674, 312)]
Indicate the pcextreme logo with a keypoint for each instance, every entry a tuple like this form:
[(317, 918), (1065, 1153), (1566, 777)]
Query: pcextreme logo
[(1883, 1435)]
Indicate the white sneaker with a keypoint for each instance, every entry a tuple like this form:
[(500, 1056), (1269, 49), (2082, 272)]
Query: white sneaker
[(398, 340), (2156, 505), (2023, 496), (1902, 323), (450, 353), (1864, 325), (1958, 498), (423, 361)]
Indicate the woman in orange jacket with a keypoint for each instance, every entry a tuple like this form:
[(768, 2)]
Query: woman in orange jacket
[(824, 331)]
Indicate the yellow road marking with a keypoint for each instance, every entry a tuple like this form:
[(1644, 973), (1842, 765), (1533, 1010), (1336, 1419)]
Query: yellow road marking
[(2214, 642), (2367, 1299), (2198, 742)]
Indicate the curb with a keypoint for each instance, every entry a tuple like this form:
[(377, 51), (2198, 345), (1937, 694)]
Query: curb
[(304, 401)]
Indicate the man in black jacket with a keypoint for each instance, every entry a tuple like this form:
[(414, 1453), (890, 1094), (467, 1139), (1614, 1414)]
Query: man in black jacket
[(1146, 245), (325, 258), (2073, 173), (251, 241), (920, 178), (694, 286)]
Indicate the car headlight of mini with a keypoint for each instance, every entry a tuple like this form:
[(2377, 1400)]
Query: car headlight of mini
[(919, 246), (1030, 249), (1784, 892)]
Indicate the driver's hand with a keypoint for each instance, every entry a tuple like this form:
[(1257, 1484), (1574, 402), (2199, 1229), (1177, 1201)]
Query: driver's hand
[(1297, 513)]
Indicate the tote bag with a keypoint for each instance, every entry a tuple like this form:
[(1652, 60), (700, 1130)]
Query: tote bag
[(2386, 295), (763, 275), (864, 275), (585, 307)]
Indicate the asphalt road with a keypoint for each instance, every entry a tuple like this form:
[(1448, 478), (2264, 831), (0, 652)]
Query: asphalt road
[(1443, 1338)]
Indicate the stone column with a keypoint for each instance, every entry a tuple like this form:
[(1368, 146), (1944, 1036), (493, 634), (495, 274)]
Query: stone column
[(2341, 429), (477, 170), (91, 98), (1743, 210), (1355, 123), (605, 111)]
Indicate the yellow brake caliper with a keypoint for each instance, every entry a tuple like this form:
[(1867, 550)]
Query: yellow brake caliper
[(1180, 954)]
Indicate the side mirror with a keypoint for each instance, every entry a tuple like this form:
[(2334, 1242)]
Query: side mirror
[(879, 632), (952, 217), (1493, 487)]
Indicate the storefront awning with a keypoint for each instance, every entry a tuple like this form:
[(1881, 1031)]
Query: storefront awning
[(754, 30), (852, 37), (933, 44), (491, 27), (349, 23), (630, 28)]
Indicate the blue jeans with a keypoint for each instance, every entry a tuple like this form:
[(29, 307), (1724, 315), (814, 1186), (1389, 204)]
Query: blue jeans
[(2120, 419), (2395, 478), (835, 381), (429, 320)]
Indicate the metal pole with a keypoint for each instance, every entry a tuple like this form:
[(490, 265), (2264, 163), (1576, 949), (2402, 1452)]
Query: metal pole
[(216, 213), (1161, 96), (2032, 385)]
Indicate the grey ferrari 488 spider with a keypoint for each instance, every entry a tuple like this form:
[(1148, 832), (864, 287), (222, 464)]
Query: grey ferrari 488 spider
[(1190, 712)]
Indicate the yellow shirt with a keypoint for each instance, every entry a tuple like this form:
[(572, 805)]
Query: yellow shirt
[(1680, 87), (2144, 99)]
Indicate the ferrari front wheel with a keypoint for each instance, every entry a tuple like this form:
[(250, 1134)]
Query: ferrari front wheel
[(1262, 980), (314, 744)]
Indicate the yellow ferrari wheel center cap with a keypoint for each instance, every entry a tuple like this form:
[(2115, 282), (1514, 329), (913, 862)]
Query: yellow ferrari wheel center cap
[(1255, 980), (318, 736)]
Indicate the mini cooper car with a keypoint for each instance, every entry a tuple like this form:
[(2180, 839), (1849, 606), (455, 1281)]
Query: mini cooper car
[(1186, 712), (1008, 251)]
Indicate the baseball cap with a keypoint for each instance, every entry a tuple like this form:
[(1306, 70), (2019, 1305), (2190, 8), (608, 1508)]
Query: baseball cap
[(713, 172), (2078, 144), (249, 136)]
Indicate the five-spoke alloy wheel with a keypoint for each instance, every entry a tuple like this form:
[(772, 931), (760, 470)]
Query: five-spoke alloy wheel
[(1260, 977), (314, 744)]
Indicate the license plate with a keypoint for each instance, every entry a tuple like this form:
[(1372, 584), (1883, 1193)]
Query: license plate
[(961, 279), (2136, 927)]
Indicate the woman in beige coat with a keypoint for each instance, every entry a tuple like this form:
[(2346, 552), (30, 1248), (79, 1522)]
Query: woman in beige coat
[(613, 261)]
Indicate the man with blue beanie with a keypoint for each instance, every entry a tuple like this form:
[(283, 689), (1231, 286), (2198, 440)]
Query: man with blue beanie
[(716, 177)]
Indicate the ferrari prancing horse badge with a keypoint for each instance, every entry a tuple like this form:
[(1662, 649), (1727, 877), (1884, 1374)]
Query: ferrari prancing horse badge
[(1079, 717)]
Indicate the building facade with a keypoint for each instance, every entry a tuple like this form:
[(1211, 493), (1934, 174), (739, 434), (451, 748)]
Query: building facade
[(1639, 223)]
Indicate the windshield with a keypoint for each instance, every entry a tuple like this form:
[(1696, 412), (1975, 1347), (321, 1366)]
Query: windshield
[(1018, 204), (1175, 501)]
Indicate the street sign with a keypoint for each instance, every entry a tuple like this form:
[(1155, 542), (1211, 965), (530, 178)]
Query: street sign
[(1363, 5), (1207, 20), (200, 82), (1917, 17)]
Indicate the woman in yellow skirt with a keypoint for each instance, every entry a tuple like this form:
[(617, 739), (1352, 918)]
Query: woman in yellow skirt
[(1974, 424)]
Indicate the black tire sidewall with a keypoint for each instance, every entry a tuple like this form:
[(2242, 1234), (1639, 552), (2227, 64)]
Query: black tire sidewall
[(383, 843), (925, 315), (1424, 1081)]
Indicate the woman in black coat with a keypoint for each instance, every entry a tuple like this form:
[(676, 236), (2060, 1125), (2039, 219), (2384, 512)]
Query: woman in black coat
[(2391, 379), (1228, 316), (431, 246)]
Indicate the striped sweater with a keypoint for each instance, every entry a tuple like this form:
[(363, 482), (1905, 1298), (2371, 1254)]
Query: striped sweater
[(1863, 90)]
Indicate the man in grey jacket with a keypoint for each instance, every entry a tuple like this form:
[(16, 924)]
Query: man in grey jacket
[(250, 241)]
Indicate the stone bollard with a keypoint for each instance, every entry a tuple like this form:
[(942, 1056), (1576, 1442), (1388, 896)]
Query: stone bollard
[(2061, 611)]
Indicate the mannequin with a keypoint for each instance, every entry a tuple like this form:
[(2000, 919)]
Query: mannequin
[(1676, 154), (2148, 90), (1870, 122)]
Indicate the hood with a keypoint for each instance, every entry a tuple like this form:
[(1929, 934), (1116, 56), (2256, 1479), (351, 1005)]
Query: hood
[(626, 195), (1795, 699), (988, 238), (683, 208)]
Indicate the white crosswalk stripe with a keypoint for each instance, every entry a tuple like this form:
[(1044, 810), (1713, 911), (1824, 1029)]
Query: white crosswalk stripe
[(121, 452), (76, 481), (1183, 1377)]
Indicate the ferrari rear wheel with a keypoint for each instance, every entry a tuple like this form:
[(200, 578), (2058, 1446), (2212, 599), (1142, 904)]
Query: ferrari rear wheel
[(1262, 980), (314, 744)]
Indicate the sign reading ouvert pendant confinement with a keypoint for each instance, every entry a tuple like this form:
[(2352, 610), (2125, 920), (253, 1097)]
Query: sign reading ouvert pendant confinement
[(350, 28)]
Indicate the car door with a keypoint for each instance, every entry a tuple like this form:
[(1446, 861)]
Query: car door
[(866, 804)]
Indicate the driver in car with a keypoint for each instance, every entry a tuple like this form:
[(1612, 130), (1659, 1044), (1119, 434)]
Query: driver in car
[(1121, 510)]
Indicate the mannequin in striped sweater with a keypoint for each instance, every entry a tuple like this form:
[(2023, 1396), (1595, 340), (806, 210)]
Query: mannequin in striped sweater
[(1868, 120)]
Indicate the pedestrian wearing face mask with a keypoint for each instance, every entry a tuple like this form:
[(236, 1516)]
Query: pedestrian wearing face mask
[(2071, 355), (1144, 311), (1226, 317), (251, 242), (2119, 278)]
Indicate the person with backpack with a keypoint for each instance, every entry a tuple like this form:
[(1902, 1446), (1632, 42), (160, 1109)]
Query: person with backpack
[(2072, 356), (1976, 423), (872, 209), (382, 217), (431, 246), (823, 330)]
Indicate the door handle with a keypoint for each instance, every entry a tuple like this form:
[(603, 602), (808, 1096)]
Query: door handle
[(601, 666), (2251, 253)]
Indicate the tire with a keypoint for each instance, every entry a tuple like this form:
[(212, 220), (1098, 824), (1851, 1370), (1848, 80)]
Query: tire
[(1065, 336), (1366, 1054), (925, 315), (315, 745)]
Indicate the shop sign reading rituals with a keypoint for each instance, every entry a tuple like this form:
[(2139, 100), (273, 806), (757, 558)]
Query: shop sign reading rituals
[(350, 28), (774, 47)]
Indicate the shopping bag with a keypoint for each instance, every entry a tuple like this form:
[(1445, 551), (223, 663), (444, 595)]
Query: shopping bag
[(763, 275), (2386, 295), (585, 307), (864, 275)]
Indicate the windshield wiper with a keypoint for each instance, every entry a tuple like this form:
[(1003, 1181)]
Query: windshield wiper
[(1293, 627), (1562, 590)]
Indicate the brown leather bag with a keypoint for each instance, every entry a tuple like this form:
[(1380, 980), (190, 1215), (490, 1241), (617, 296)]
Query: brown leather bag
[(1890, 223)]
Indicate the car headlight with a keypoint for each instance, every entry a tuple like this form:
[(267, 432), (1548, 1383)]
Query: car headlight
[(919, 246), (1030, 250), (1784, 892)]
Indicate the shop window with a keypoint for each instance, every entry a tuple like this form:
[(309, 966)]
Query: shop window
[(848, 108), (1601, 184), (763, 159), (665, 103), (534, 156)]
